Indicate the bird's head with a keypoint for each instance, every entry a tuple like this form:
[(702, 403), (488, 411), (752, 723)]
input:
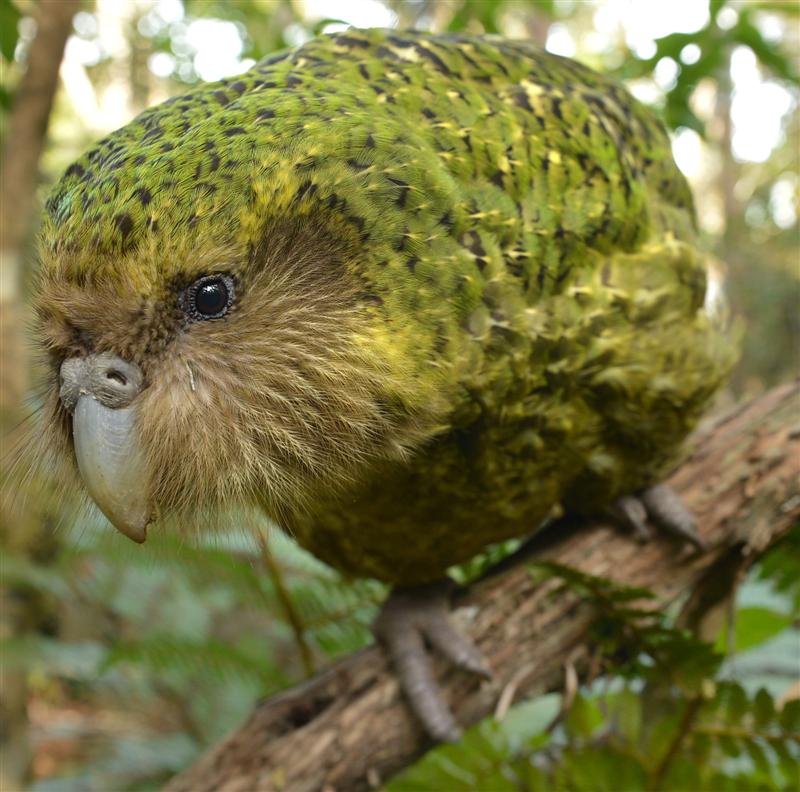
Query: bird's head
[(209, 342)]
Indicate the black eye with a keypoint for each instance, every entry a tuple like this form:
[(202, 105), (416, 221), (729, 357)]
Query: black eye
[(209, 297)]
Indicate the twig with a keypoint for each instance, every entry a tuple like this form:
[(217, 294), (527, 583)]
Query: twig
[(296, 623), (684, 728)]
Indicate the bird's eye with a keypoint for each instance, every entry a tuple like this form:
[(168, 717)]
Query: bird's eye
[(209, 298)]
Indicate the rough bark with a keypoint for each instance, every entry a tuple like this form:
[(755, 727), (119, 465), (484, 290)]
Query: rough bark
[(348, 728)]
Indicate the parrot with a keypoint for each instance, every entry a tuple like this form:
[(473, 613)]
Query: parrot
[(407, 294)]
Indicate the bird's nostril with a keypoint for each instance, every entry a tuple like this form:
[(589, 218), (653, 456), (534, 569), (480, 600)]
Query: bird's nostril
[(117, 376), (109, 379)]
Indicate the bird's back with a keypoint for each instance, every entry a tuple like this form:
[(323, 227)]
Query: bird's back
[(545, 261)]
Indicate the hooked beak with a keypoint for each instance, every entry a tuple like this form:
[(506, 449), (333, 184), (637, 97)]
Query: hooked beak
[(111, 465), (99, 391)]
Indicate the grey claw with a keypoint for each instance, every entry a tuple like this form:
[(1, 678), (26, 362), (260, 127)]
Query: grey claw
[(630, 512), (668, 511), (663, 508), (454, 645), (407, 619)]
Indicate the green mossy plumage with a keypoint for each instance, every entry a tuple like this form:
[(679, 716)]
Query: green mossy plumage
[(523, 257)]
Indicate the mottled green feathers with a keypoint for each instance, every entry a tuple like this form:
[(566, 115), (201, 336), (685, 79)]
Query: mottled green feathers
[(523, 257)]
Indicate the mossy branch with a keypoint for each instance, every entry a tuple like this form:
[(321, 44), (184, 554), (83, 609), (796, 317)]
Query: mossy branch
[(349, 729)]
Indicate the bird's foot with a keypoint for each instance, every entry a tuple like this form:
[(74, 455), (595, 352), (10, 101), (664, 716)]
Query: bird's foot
[(410, 618), (663, 508)]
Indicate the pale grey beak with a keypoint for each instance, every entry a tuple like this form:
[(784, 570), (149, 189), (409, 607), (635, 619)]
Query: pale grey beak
[(98, 390)]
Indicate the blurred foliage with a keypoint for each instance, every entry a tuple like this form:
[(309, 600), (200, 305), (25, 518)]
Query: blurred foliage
[(722, 739), (9, 34), (137, 659), (9, 18), (708, 55), (657, 716), (168, 651), (636, 637), (170, 648)]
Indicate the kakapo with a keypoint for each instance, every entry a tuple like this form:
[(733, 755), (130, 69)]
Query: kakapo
[(407, 293)]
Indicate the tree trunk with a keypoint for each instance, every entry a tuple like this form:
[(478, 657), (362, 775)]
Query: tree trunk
[(349, 729), (19, 175)]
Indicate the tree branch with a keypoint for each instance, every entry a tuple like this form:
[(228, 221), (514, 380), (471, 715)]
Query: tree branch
[(349, 729)]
